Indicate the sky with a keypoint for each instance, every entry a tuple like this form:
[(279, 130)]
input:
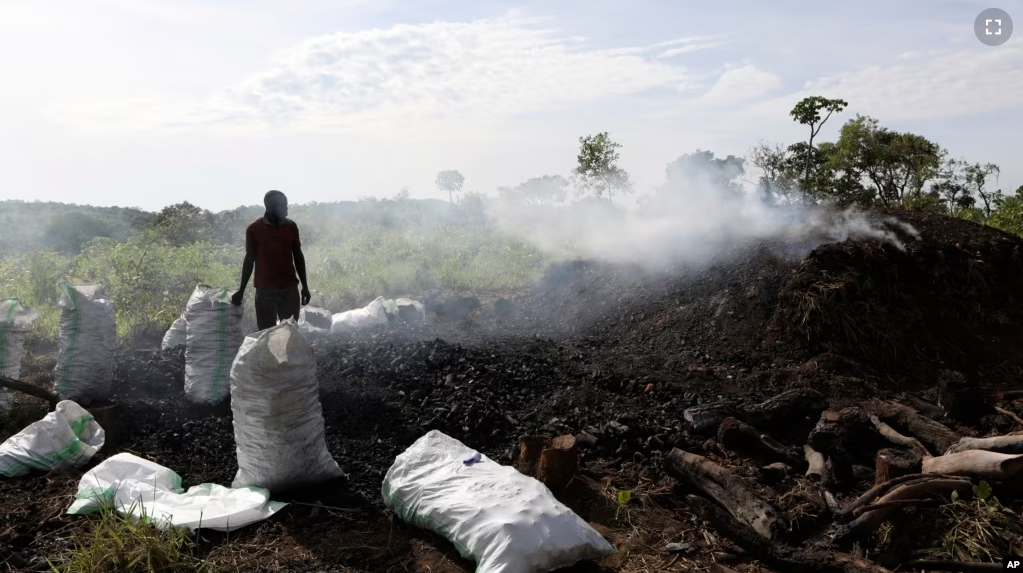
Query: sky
[(147, 103)]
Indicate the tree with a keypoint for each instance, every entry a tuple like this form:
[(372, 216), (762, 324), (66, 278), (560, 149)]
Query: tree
[(597, 169), (976, 176), (701, 168), (184, 224), (1009, 213), (775, 183), (69, 231), (808, 112), (450, 181), (537, 191), (898, 166)]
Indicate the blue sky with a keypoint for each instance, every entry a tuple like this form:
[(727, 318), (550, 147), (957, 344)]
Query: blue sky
[(151, 102)]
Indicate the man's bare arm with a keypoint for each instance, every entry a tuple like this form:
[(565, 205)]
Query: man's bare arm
[(300, 267)]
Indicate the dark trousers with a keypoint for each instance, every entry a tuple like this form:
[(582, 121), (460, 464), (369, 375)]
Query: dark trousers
[(276, 303)]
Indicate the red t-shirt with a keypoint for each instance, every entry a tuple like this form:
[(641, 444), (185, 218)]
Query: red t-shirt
[(272, 247)]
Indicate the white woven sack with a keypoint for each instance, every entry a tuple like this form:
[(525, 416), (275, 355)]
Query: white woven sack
[(15, 321), (278, 419), (176, 336), (88, 332), (213, 335), (506, 521), (66, 437)]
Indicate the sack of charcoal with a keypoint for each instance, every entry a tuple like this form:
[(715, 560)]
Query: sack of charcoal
[(278, 420), (213, 334), (16, 320), (88, 337)]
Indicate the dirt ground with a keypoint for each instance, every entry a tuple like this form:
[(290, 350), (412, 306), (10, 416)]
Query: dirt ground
[(615, 352)]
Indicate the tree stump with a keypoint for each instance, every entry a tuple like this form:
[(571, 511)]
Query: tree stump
[(895, 462), (530, 449), (558, 463)]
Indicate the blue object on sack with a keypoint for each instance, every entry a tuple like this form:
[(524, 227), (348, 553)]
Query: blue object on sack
[(474, 459)]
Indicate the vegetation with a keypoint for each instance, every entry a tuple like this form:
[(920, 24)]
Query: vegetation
[(356, 251)]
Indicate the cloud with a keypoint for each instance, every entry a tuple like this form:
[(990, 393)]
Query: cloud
[(742, 83), (687, 49), (487, 69), (926, 85)]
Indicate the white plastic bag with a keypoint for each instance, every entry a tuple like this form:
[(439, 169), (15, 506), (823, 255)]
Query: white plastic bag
[(88, 332), (314, 320), (67, 437), (15, 321), (278, 420), (372, 314), (177, 334), (506, 521), (135, 486), (214, 333)]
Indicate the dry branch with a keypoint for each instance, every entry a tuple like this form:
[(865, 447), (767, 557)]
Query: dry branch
[(30, 389), (774, 554), (876, 491), (782, 409), (868, 521), (891, 463), (980, 463), (898, 503), (898, 439), (1012, 444), (815, 461), (936, 437), (728, 489), (1012, 415), (738, 436)]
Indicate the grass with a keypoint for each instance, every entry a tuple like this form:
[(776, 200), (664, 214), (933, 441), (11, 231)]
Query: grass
[(113, 543), (150, 279)]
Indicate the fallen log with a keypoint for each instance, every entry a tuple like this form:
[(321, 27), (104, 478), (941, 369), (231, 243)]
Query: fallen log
[(705, 418), (1012, 444), (30, 389), (933, 435), (979, 463), (932, 411), (868, 521), (774, 554), (559, 463), (891, 463), (728, 489), (815, 463), (898, 439), (849, 430), (958, 566), (741, 437), (783, 409)]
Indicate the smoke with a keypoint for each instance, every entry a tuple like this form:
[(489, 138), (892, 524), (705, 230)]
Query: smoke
[(691, 220)]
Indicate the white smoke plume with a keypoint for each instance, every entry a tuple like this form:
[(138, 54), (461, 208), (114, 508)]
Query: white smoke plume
[(685, 224)]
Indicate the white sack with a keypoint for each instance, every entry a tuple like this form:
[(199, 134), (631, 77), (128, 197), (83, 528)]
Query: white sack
[(214, 333), (177, 334), (135, 486), (278, 420), (372, 314), (506, 521), (314, 320), (67, 437), (15, 321), (88, 332)]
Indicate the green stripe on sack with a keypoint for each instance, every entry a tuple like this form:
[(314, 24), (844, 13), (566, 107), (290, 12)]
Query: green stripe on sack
[(54, 460), (223, 309), (78, 424), (71, 353)]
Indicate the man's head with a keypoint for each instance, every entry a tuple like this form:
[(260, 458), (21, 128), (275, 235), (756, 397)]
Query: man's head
[(276, 206)]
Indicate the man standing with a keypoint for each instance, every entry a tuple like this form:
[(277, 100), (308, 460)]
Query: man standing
[(273, 246)]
